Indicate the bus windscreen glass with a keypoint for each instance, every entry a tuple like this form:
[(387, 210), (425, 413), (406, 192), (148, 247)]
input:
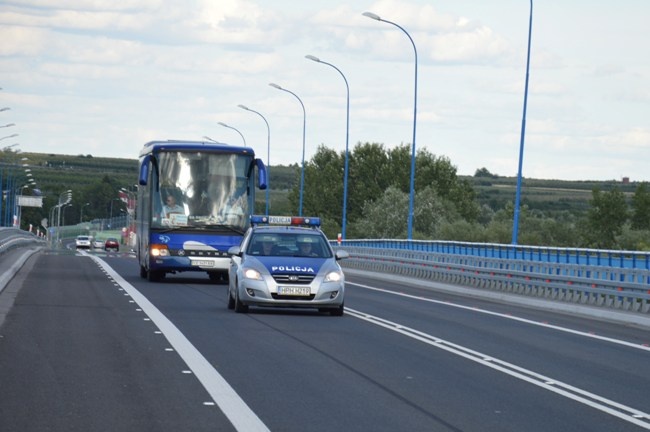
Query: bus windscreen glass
[(201, 189)]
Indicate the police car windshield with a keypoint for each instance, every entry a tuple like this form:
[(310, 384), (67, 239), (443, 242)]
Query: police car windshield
[(288, 244)]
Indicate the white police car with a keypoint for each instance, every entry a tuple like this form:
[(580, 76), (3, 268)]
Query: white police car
[(286, 261)]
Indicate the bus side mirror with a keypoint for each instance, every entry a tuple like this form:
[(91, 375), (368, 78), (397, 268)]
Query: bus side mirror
[(144, 171), (262, 174)]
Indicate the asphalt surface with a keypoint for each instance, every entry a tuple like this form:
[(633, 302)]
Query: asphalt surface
[(89, 345)]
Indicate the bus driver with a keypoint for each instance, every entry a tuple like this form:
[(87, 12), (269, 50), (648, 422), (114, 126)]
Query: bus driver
[(171, 207)]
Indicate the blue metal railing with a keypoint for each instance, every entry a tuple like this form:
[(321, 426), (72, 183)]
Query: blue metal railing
[(589, 257)]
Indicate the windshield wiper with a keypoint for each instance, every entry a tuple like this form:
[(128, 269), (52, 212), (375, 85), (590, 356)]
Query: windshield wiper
[(223, 226)]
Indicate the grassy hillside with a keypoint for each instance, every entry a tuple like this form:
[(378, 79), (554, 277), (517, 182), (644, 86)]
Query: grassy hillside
[(55, 173)]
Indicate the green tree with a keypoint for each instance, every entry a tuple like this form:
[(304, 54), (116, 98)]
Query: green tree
[(605, 218), (384, 217), (641, 207)]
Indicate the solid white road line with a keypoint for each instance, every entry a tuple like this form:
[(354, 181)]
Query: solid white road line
[(600, 403), (233, 406), (510, 317)]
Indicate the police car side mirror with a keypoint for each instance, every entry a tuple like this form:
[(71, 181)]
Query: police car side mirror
[(341, 254), (235, 250)]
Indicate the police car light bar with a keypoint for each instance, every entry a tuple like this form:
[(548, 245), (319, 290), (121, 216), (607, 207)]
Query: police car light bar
[(285, 220)]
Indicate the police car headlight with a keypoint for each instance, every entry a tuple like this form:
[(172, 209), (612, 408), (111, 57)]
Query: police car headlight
[(252, 274), (333, 277)]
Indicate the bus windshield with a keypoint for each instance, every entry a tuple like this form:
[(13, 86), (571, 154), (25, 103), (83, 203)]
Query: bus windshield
[(201, 189)]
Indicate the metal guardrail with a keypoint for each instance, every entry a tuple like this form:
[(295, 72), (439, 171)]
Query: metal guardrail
[(615, 287), (591, 257), (13, 237)]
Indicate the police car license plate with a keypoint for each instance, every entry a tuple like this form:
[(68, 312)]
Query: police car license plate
[(202, 263), (294, 291)]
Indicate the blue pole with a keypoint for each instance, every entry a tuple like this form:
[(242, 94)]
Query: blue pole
[(415, 111), (268, 154), (304, 122), (1, 196), (347, 140), (515, 224)]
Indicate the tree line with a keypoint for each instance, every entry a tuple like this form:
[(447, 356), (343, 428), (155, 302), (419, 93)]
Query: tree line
[(446, 206)]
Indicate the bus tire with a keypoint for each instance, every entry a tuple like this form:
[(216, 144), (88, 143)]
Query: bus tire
[(143, 272), (155, 276)]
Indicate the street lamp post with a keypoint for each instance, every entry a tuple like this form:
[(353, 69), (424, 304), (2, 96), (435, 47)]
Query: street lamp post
[(81, 213), (415, 111), (304, 123), (111, 214), (347, 137), (515, 223), (268, 152), (236, 130)]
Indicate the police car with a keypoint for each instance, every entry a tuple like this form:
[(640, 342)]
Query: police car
[(286, 261)]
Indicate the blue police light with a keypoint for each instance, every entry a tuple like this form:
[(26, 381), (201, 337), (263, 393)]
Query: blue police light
[(285, 220)]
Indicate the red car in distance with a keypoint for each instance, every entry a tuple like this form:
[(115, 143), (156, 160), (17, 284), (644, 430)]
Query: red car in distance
[(112, 244)]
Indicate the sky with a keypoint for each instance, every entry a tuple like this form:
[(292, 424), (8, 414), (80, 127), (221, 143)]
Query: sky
[(103, 77)]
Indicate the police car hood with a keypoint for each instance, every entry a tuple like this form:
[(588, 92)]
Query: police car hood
[(296, 265)]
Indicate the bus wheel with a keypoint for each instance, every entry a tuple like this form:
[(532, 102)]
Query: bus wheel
[(155, 276), (143, 272)]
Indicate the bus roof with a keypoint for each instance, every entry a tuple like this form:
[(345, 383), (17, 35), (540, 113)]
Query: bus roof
[(180, 145)]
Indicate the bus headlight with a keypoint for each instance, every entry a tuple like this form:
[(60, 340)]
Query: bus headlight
[(159, 250)]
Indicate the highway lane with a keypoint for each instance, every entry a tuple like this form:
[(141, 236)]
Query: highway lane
[(401, 359)]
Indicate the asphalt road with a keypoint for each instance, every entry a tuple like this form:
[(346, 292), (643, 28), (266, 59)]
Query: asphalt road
[(88, 345)]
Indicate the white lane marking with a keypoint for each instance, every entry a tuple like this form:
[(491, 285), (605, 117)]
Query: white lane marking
[(631, 415), (510, 317), (233, 406)]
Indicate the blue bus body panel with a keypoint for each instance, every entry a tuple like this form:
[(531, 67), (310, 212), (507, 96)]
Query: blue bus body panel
[(184, 247)]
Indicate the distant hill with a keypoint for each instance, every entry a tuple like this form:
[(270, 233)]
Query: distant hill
[(545, 195), (55, 172)]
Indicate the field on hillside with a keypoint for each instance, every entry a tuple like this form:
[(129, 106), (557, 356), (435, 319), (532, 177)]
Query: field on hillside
[(55, 173)]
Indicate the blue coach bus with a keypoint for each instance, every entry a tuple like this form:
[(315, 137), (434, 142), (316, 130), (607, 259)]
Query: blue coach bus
[(194, 202)]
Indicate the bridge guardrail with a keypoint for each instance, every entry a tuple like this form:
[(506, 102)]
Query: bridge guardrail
[(14, 237), (615, 287)]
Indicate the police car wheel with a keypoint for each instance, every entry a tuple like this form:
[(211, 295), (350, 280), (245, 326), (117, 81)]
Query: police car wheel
[(239, 306), (231, 301), (338, 311)]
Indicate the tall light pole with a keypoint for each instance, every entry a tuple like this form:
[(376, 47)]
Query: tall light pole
[(304, 123), (236, 130), (515, 223), (347, 138), (415, 112), (268, 152), (81, 213)]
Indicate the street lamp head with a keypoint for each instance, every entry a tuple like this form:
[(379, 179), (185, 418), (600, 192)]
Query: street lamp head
[(274, 85), (244, 107), (9, 125), (371, 16), (10, 136), (5, 109), (223, 124), (312, 58)]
